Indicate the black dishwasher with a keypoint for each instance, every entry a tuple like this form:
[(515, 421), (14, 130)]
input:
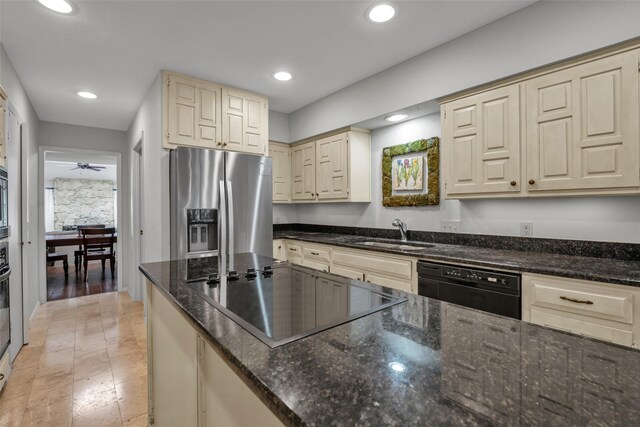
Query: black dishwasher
[(486, 290)]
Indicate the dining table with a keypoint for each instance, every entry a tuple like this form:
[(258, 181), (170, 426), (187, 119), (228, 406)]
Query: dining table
[(71, 238)]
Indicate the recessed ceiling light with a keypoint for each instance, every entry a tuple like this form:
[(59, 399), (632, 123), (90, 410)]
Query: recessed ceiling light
[(88, 95), (283, 76), (396, 117), (382, 12), (60, 6)]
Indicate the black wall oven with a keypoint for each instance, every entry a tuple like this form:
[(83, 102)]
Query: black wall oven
[(486, 290), (5, 272), (4, 208)]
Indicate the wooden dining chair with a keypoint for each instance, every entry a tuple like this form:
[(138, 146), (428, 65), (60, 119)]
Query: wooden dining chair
[(78, 253), (97, 244)]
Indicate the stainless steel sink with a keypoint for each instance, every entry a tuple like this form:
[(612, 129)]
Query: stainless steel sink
[(397, 246)]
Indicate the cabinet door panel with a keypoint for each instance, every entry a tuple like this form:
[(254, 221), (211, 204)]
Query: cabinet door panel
[(3, 146), (331, 167), (482, 133), (280, 171), (193, 112), (246, 121), (582, 126), (303, 173)]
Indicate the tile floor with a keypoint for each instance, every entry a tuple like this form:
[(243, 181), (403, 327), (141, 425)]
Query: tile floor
[(86, 365)]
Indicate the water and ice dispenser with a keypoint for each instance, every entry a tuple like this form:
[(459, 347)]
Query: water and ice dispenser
[(202, 229)]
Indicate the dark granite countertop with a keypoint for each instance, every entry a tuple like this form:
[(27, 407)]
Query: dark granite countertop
[(422, 362), (609, 270)]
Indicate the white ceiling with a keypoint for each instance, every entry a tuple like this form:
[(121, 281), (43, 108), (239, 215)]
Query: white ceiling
[(60, 165), (116, 48)]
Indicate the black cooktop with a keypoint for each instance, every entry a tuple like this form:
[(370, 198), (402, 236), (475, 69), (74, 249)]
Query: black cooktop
[(279, 302)]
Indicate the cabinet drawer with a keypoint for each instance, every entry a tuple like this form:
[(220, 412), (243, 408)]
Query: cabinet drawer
[(4, 369), (294, 254), (582, 298), (397, 268), (318, 265), (316, 253), (581, 327), (347, 272), (387, 282)]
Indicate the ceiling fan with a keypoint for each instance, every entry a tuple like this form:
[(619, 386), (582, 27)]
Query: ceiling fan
[(85, 166)]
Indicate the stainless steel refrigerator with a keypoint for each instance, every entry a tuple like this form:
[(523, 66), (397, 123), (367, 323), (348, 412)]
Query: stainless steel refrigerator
[(221, 203)]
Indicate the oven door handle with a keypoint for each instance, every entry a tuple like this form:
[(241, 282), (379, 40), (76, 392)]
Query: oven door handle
[(4, 276)]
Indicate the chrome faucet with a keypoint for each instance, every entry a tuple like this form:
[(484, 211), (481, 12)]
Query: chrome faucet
[(402, 227)]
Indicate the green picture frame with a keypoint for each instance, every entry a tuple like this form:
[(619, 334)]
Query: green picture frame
[(432, 197)]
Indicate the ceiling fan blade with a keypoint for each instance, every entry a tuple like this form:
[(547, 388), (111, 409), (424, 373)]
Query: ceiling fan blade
[(72, 169), (93, 169)]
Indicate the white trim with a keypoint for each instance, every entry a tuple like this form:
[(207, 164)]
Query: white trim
[(123, 239)]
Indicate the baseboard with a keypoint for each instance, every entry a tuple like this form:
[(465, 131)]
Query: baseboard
[(33, 313)]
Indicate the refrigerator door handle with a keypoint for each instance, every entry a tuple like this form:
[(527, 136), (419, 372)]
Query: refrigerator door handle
[(230, 220), (222, 249)]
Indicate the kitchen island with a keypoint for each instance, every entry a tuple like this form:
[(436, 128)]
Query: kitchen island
[(421, 362)]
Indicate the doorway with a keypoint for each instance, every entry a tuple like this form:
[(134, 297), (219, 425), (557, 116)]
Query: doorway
[(81, 211)]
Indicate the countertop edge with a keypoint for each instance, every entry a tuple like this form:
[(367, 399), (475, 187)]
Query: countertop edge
[(509, 266), (266, 396)]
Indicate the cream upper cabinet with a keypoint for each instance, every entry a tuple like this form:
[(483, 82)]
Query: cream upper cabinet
[(199, 113), (483, 142), (3, 142), (281, 175), (193, 112), (303, 171), (566, 130), (334, 168), (582, 126), (331, 167), (245, 121)]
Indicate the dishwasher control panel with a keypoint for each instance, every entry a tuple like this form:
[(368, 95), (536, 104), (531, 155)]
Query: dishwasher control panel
[(478, 276)]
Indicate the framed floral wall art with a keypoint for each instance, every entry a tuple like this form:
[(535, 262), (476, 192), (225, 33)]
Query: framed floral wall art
[(404, 168)]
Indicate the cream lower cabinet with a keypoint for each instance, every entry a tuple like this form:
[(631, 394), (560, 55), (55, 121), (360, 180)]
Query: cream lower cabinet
[(392, 271), (5, 369), (199, 113), (336, 168), (190, 384), (568, 130), (599, 310), (279, 250), (280, 171)]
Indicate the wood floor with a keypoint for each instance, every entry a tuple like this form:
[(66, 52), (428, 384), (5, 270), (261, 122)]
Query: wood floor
[(86, 365), (97, 283)]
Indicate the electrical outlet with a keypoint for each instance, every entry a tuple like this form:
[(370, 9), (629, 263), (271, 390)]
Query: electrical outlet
[(450, 226), (526, 229)]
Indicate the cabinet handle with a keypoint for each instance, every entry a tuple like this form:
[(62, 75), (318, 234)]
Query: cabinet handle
[(532, 181), (513, 183), (1, 377), (577, 301), (315, 253), (219, 143), (293, 249), (224, 144)]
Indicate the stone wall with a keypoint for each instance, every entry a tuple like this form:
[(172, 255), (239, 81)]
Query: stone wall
[(82, 201)]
